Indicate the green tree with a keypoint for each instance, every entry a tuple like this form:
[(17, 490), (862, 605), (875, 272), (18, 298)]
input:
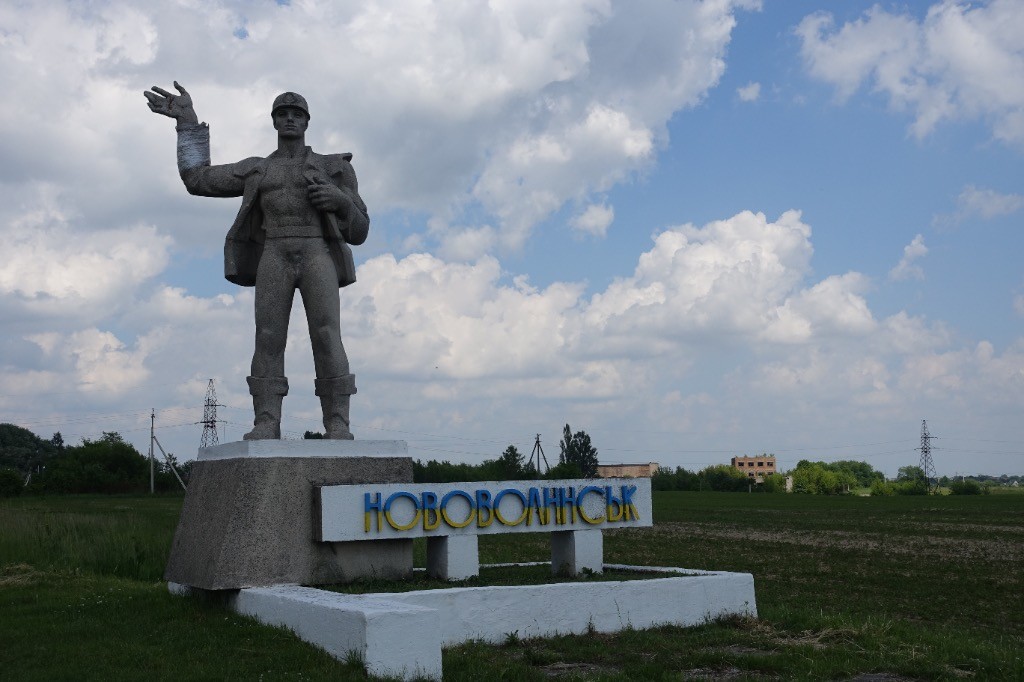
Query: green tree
[(576, 448), (882, 488), (910, 480), (511, 464), (11, 482), (724, 478), (680, 479), (821, 478), (106, 465), (863, 473), (966, 486), (564, 470), (22, 450), (663, 479), (911, 473), (165, 480), (774, 483)]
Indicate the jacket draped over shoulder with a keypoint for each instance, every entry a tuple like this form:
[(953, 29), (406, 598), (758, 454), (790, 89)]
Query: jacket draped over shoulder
[(243, 245)]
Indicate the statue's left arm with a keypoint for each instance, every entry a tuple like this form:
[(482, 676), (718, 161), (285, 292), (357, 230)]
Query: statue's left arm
[(340, 197), (358, 218)]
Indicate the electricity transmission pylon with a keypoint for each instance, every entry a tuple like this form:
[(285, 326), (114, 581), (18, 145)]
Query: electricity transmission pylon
[(537, 454), (210, 417), (927, 465)]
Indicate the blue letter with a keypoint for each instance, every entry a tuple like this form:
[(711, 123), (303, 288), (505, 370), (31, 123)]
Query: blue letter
[(430, 505), (483, 504), (568, 502), (416, 506), (627, 502), (552, 501), (444, 508), (497, 507), (613, 503), (368, 507), (579, 505)]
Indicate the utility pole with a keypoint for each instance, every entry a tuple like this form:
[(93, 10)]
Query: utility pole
[(152, 436), (209, 417), (537, 454), (927, 465), (152, 458)]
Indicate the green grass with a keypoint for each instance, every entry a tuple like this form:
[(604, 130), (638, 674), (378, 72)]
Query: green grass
[(122, 536), (915, 587)]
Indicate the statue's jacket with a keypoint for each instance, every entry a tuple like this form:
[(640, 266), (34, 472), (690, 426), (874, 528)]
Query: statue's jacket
[(243, 245)]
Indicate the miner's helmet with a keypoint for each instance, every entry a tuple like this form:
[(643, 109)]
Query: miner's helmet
[(290, 99)]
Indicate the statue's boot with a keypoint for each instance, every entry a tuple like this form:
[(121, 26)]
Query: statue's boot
[(335, 394), (267, 394)]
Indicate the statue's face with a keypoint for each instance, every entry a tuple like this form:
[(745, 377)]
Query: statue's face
[(290, 122)]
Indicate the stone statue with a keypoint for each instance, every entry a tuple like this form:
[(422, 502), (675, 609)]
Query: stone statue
[(300, 211)]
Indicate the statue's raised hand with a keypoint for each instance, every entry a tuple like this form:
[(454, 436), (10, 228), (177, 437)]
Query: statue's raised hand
[(178, 107)]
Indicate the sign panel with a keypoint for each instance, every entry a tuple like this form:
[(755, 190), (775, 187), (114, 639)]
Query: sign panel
[(410, 510)]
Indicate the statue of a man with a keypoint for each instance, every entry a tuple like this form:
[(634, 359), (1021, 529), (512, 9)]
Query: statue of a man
[(300, 211)]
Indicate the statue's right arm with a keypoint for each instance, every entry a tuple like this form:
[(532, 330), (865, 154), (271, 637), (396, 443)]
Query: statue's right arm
[(194, 146), (199, 176)]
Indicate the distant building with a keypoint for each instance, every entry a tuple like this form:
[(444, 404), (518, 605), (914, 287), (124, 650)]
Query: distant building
[(627, 470), (755, 467)]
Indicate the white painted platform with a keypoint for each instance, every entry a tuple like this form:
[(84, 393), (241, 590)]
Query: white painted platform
[(401, 634), (306, 448)]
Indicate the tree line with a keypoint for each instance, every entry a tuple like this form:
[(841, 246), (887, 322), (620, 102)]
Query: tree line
[(816, 478), (108, 464), (813, 478), (577, 458)]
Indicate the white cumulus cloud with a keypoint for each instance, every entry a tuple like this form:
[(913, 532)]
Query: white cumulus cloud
[(907, 268), (594, 220), (961, 61), (52, 267), (980, 202), (749, 92)]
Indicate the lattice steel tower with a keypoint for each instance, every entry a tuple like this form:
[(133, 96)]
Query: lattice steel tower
[(927, 465), (210, 417)]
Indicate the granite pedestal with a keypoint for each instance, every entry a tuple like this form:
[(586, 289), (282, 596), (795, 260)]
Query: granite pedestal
[(248, 515)]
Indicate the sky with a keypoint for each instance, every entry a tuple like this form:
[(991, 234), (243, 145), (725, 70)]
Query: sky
[(694, 230)]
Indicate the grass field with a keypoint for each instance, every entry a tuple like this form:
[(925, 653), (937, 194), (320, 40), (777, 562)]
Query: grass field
[(847, 588)]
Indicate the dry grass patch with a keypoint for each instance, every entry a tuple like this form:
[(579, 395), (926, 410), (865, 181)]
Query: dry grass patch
[(19, 575)]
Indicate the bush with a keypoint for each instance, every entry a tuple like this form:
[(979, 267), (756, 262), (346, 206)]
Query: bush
[(663, 479), (680, 479), (819, 478), (774, 483), (564, 470), (911, 487), (724, 478), (107, 465), (11, 483), (965, 487), (882, 489)]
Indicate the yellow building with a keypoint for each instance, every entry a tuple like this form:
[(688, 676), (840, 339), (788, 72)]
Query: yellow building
[(627, 470), (755, 467)]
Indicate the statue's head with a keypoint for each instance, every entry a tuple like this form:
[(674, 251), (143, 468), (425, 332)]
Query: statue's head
[(290, 99), (290, 113)]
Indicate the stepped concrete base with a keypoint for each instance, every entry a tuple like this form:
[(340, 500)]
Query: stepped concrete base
[(401, 634), (247, 521)]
